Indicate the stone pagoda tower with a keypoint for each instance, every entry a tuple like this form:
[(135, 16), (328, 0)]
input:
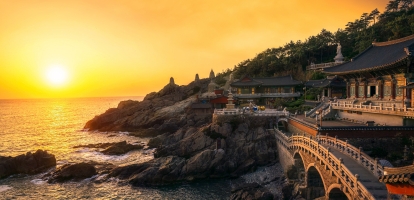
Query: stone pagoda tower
[(230, 104)]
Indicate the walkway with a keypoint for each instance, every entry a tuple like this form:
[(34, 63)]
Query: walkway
[(377, 189)]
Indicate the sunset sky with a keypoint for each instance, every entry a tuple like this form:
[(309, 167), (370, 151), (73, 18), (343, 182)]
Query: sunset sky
[(130, 48)]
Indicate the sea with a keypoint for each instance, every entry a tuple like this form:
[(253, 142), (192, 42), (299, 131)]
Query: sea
[(56, 125)]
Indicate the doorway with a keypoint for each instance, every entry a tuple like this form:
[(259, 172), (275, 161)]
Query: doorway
[(373, 90)]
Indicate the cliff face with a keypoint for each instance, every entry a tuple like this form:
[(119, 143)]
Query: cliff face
[(190, 154), (166, 110)]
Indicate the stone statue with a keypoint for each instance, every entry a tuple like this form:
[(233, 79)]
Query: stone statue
[(212, 74), (338, 49), (172, 81), (196, 78), (339, 58)]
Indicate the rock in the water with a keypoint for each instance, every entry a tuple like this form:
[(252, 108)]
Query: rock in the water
[(75, 172), (120, 148), (116, 148), (26, 163), (250, 191)]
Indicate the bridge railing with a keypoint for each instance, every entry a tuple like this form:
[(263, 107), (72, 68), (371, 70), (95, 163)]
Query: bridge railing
[(357, 154), (348, 179)]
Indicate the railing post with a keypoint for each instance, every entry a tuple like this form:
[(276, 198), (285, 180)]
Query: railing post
[(359, 154), (370, 106), (376, 166), (380, 106), (346, 146)]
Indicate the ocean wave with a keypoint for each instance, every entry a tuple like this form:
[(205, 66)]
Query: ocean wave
[(89, 154), (4, 188), (38, 181)]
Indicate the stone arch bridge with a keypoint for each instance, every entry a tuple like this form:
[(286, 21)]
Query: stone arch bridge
[(330, 168)]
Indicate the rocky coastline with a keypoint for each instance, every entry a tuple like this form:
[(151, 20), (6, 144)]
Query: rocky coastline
[(188, 147)]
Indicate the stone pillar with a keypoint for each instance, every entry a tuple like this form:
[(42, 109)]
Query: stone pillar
[(330, 92)]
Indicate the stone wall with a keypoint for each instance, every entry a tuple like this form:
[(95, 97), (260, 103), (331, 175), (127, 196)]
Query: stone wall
[(285, 157), (389, 120)]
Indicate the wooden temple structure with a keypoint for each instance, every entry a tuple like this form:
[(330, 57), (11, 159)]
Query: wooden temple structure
[(380, 73), (331, 87), (264, 90)]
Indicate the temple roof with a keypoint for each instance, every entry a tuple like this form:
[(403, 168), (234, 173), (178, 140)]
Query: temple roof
[(270, 81), (380, 55), (398, 175), (333, 82)]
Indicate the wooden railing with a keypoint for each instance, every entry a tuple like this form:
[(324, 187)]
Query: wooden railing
[(392, 110), (337, 165)]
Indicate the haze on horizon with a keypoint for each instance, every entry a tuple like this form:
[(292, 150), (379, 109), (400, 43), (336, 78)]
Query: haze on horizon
[(130, 48)]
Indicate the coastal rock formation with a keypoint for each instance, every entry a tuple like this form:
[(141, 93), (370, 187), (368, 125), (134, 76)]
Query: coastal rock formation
[(75, 172), (116, 148), (250, 191), (191, 154), (163, 111), (29, 163)]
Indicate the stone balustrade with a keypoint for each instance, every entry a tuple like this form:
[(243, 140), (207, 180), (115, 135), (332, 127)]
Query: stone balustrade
[(267, 112), (391, 110), (321, 65), (356, 153), (259, 95), (338, 167)]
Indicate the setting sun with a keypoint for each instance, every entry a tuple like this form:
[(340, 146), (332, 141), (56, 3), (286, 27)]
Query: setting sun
[(56, 75)]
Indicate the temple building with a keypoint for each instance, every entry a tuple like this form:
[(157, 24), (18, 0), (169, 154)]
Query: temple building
[(263, 91), (378, 81), (380, 72), (331, 87)]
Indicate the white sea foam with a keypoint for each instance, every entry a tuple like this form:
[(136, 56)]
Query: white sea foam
[(90, 154), (4, 188), (38, 181), (123, 133)]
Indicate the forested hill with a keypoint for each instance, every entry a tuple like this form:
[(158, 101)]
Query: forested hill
[(397, 21)]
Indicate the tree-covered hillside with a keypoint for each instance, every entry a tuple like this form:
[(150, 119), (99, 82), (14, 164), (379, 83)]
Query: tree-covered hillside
[(397, 21)]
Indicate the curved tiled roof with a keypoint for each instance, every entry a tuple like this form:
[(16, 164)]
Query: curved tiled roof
[(378, 56), (398, 175), (270, 81), (324, 83)]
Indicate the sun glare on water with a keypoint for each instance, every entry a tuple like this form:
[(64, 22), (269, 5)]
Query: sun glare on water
[(56, 75)]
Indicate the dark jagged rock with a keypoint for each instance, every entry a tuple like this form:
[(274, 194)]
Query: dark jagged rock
[(191, 154), (158, 109), (29, 163), (120, 148), (116, 148), (74, 172), (250, 191)]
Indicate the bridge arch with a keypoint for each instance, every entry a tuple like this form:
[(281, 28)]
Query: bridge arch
[(335, 192)]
